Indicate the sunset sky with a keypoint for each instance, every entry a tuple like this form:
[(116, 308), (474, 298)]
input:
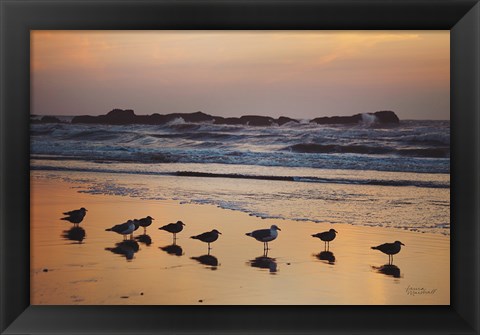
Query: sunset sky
[(301, 74)]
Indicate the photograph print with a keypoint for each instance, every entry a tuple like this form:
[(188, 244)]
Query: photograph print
[(180, 167)]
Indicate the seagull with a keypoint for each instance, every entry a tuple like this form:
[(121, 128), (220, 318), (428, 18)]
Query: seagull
[(136, 223), (265, 235), (126, 228), (145, 222), (173, 228), (327, 236), (390, 249), (207, 237), (76, 216)]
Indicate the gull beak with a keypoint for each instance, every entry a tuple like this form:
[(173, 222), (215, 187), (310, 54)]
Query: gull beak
[(220, 233), (402, 244), (278, 228), (335, 231)]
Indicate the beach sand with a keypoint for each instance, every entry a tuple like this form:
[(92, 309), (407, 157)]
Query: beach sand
[(67, 272)]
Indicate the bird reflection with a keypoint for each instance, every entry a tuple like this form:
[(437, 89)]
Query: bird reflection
[(207, 260), (264, 262), (74, 234), (126, 248), (173, 249), (388, 270), (145, 239), (326, 256)]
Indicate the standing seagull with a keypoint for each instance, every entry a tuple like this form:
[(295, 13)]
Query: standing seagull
[(136, 223), (265, 235), (390, 249), (327, 236), (76, 216), (173, 228), (124, 229), (207, 237), (145, 222)]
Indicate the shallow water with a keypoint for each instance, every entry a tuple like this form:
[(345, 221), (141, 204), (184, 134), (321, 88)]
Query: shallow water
[(94, 270), (422, 209)]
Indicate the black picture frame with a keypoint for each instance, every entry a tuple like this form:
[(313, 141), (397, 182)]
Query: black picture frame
[(18, 17)]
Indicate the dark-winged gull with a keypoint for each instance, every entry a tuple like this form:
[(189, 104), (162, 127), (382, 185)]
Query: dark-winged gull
[(124, 229), (76, 216), (207, 237), (173, 228), (326, 236), (265, 235), (145, 222), (390, 249), (136, 223)]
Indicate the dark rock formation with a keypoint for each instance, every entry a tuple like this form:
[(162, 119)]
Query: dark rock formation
[(387, 117), (253, 120), (121, 117), (282, 120), (227, 120), (338, 119), (380, 117)]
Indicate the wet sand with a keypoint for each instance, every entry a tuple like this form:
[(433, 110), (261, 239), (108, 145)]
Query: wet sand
[(295, 272)]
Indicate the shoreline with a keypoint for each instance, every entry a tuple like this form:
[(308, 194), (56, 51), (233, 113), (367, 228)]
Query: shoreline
[(293, 272)]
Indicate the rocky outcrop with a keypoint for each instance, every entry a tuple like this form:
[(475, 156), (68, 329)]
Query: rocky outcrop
[(127, 116), (386, 117), (381, 117), (283, 119)]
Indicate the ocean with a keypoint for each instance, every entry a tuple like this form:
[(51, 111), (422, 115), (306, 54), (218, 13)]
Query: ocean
[(367, 174)]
